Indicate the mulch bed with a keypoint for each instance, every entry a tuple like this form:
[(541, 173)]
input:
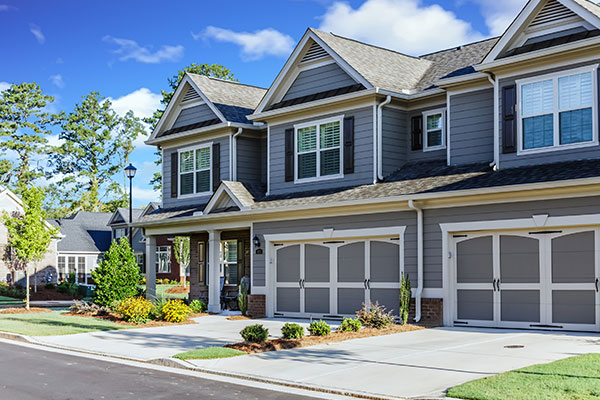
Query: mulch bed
[(150, 324), (24, 310), (178, 289), (49, 294), (282, 344), (238, 317)]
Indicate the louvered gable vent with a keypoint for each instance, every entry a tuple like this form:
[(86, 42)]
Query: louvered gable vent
[(315, 52), (553, 11), (191, 94)]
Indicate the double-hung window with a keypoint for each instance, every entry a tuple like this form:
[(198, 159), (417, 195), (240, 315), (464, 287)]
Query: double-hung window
[(557, 110), (434, 132), (319, 150), (163, 259), (195, 176), (231, 264)]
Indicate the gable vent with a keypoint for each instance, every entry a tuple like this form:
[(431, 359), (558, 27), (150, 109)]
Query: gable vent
[(190, 95), (315, 52), (553, 11)]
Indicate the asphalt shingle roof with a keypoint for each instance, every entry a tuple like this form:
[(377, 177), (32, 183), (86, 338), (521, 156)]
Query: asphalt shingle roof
[(84, 232), (231, 93)]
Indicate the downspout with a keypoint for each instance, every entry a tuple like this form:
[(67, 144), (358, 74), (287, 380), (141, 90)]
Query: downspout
[(387, 101), (230, 157), (494, 81), (419, 292), (374, 143), (234, 153)]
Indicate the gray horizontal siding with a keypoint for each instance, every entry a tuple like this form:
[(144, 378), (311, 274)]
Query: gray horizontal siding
[(169, 201), (472, 127), (193, 115), (316, 80), (420, 155), (251, 159), (396, 138), (363, 155)]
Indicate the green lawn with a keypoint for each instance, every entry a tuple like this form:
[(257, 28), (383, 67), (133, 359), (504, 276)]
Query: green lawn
[(53, 323), (4, 300), (209, 352), (574, 378), (161, 291)]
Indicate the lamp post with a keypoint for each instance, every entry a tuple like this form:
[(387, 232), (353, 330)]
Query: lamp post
[(130, 173)]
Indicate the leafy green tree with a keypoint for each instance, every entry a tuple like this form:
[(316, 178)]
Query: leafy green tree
[(212, 70), (24, 125), (29, 235), (182, 253), (118, 275)]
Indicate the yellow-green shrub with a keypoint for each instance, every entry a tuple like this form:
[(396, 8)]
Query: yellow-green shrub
[(175, 311), (135, 309)]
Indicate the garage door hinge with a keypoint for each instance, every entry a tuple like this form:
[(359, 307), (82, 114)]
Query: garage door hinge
[(449, 254), (544, 232)]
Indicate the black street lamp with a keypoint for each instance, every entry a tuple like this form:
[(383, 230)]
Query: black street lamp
[(130, 173)]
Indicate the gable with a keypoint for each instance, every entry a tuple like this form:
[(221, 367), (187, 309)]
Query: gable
[(318, 79), (193, 115)]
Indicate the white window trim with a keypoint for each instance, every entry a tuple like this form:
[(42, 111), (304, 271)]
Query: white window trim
[(194, 194), (593, 69), (317, 123), (425, 115)]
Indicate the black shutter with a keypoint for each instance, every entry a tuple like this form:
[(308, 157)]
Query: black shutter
[(289, 155), (348, 145), (509, 119), (416, 126), (216, 167), (174, 173)]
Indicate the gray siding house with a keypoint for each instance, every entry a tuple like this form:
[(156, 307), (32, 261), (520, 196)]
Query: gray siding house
[(473, 171)]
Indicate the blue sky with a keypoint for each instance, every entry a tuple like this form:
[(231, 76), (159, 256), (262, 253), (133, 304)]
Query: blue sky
[(126, 49)]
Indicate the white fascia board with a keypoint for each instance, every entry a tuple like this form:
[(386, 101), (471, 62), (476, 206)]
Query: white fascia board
[(186, 133), (217, 195), (330, 233), (445, 82)]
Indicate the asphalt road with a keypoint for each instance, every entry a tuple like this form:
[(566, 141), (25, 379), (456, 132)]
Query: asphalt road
[(35, 374)]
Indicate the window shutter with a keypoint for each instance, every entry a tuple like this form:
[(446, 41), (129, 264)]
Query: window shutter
[(174, 173), (216, 167), (509, 119), (289, 155), (348, 145), (416, 124)]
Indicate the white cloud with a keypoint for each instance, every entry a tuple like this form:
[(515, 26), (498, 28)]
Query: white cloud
[(143, 103), (37, 32), (499, 14), (131, 50), (403, 25), (255, 45), (55, 140), (57, 80), (4, 86)]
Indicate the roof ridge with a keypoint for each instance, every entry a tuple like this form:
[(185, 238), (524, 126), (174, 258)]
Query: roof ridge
[(459, 46), (227, 81)]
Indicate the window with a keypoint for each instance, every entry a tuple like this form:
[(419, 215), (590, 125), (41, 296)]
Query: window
[(163, 259), (434, 134), (195, 171), (120, 232), (81, 270), (229, 254), (318, 150), (557, 111), (71, 265), (61, 268), (201, 263), (139, 260)]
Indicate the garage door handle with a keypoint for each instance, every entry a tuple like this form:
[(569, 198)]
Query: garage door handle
[(596, 285), (300, 283), (368, 284)]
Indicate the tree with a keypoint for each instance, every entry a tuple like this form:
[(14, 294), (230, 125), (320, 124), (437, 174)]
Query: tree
[(182, 253), (214, 70), (29, 235), (24, 125)]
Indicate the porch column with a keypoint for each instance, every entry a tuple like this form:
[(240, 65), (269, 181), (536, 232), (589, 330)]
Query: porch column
[(150, 267), (214, 273)]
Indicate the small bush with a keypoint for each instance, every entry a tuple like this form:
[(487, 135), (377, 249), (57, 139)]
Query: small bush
[(319, 328), (50, 286), (135, 309), (68, 287), (197, 306), (118, 275), (243, 296), (374, 316), (156, 312), (15, 291), (350, 325), (255, 333), (175, 311), (405, 295), (85, 308), (292, 331)]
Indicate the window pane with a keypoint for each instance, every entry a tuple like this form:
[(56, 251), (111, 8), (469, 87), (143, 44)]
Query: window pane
[(187, 183), (203, 181), (307, 139), (575, 91), (330, 135), (330, 162), (576, 126), (434, 122), (434, 138), (203, 158), (307, 165), (186, 161), (71, 265), (230, 251), (537, 98), (538, 131)]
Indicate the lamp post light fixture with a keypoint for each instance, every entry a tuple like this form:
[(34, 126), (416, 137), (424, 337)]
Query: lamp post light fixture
[(130, 173)]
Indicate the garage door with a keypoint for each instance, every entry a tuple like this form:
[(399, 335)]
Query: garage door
[(528, 279), (334, 278)]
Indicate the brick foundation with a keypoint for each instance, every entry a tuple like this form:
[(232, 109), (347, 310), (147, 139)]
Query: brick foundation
[(431, 312), (257, 306)]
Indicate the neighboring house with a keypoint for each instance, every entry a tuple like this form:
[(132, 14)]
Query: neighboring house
[(473, 170), (86, 237), (42, 271)]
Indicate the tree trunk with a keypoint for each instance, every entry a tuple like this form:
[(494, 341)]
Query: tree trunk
[(27, 289)]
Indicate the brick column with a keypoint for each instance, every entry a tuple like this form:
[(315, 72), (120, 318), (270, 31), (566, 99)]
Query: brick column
[(257, 305)]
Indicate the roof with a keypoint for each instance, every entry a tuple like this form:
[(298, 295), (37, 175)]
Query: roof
[(171, 213), (235, 113), (316, 96), (124, 212), (220, 91), (550, 43), (84, 232), (189, 127), (590, 6)]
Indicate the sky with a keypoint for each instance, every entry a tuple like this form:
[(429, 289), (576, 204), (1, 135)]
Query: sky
[(127, 49)]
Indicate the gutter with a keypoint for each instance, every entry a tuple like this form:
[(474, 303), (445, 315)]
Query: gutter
[(387, 101), (494, 81), (419, 291), (233, 155)]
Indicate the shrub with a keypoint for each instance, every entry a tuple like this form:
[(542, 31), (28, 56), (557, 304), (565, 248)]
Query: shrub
[(6, 290), (156, 312), (135, 309), (292, 331), (197, 306), (68, 287), (255, 333), (350, 325), (405, 295), (50, 286), (319, 328), (85, 308), (243, 296), (117, 277), (175, 311), (71, 277), (375, 316)]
